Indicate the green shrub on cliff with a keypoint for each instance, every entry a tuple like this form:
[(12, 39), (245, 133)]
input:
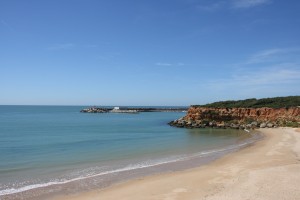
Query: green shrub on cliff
[(276, 102), (292, 124)]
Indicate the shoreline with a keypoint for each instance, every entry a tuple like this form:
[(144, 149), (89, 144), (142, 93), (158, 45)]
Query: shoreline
[(247, 173), (106, 179)]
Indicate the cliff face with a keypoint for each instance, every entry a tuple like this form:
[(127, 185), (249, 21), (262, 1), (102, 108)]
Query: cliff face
[(243, 114), (237, 117)]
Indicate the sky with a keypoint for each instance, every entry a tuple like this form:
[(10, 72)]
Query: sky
[(152, 53)]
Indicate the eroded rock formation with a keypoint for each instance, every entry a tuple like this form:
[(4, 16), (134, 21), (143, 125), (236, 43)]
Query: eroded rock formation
[(199, 117)]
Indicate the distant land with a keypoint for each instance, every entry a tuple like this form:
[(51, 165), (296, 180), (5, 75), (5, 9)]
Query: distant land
[(132, 110)]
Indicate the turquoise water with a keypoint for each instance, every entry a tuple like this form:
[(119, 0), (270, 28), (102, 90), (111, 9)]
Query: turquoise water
[(42, 146)]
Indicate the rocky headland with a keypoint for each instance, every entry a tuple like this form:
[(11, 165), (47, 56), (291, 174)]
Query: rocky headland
[(238, 118)]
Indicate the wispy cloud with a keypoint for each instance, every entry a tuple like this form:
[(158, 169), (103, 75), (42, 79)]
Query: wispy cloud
[(249, 3), (270, 81), (210, 7), (235, 4), (272, 72), (163, 64), (180, 64), (63, 46), (270, 55), (284, 73), (169, 64)]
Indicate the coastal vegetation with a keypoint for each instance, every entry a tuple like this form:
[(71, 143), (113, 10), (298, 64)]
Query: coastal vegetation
[(276, 102)]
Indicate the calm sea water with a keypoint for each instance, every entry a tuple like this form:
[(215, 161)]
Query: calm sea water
[(44, 146)]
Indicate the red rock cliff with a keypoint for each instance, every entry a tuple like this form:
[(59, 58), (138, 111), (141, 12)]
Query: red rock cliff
[(243, 114)]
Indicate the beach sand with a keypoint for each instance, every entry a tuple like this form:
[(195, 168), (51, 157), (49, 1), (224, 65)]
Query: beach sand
[(269, 169)]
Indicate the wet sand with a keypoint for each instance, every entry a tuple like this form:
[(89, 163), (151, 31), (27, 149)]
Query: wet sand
[(269, 169)]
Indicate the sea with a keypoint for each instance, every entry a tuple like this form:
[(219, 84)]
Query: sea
[(53, 150)]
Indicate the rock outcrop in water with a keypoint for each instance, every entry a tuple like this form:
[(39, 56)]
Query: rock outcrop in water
[(201, 117)]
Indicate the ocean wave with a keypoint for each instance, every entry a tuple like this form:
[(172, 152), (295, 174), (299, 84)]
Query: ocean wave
[(145, 164)]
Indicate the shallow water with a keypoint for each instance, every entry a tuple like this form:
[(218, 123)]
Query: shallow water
[(47, 149)]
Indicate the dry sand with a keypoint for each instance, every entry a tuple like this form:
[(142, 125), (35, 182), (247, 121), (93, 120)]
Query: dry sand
[(269, 169)]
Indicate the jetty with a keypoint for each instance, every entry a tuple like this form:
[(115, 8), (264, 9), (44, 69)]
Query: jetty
[(132, 110)]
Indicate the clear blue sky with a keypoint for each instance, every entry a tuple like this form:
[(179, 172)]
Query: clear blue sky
[(154, 52)]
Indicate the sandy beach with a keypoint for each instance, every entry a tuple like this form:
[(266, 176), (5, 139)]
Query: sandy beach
[(269, 169)]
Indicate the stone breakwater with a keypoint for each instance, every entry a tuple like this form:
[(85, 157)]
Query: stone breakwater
[(130, 110), (238, 118), (95, 110)]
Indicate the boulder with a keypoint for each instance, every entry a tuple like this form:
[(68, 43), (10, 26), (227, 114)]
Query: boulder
[(181, 122), (242, 126), (263, 125), (254, 124), (212, 123), (194, 125), (220, 125), (270, 125), (203, 125), (234, 126), (248, 126)]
